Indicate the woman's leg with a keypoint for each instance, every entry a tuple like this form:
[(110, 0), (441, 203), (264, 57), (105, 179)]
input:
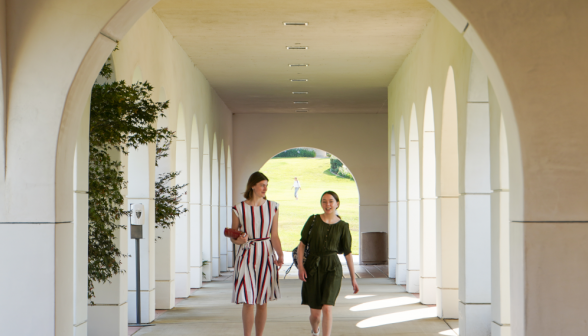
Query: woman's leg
[(327, 320), (315, 319), (248, 314), (260, 317)]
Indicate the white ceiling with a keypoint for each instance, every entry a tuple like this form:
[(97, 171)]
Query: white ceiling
[(354, 50)]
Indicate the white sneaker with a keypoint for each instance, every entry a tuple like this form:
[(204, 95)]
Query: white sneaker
[(317, 333)]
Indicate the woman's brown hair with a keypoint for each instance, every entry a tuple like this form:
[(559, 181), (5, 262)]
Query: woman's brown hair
[(254, 179)]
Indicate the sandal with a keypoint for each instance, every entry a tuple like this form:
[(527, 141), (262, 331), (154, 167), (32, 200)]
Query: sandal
[(317, 333)]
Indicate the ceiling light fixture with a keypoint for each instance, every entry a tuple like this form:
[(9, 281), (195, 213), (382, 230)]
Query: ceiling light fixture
[(300, 102), (300, 92), (299, 80), (297, 48), (302, 110), (297, 65), (295, 23)]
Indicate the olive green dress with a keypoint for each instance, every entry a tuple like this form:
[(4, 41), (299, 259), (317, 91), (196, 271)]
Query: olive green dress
[(323, 268)]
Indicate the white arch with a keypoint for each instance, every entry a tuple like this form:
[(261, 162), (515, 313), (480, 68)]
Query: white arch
[(448, 206), (223, 209), (195, 209), (402, 222), (215, 210), (428, 282), (206, 209), (182, 227), (414, 206)]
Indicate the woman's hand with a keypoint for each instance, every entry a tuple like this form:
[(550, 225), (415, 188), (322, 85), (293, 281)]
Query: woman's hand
[(279, 262), (242, 239), (302, 273), (355, 286)]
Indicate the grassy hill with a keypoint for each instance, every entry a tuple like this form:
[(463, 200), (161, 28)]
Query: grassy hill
[(315, 178)]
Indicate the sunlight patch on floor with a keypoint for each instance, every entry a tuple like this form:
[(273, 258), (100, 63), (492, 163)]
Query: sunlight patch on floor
[(399, 317), (394, 302), (451, 332), (351, 297)]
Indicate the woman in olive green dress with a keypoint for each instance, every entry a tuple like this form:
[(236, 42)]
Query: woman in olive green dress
[(321, 274)]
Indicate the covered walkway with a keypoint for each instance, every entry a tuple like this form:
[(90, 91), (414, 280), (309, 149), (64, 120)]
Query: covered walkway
[(381, 308)]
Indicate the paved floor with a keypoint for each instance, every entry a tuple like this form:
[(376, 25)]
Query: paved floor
[(380, 308)]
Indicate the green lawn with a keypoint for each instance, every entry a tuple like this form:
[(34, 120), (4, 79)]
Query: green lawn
[(315, 179)]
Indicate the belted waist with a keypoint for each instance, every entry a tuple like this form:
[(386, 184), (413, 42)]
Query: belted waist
[(248, 244)]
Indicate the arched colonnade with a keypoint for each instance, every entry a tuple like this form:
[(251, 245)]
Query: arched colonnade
[(540, 225)]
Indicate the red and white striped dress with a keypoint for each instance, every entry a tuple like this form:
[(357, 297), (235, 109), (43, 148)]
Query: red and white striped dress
[(256, 274)]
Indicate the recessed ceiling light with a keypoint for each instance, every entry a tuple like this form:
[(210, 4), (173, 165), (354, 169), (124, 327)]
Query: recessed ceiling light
[(300, 92), (300, 102), (305, 110), (295, 23), (297, 65), (297, 48), (299, 80)]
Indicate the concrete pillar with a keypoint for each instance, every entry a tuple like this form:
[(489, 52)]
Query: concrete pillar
[(448, 207), (414, 209), (215, 216), (206, 222), (475, 207), (109, 313), (195, 210), (165, 284), (223, 210), (500, 221), (182, 250), (392, 215), (141, 189), (401, 212), (81, 226), (230, 247), (428, 241)]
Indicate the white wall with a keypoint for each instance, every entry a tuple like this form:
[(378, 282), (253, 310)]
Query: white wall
[(359, 140)]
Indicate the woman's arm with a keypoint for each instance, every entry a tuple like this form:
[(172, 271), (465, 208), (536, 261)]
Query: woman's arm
[(276, 243), (243, 238), (349, 259), (300, 256)]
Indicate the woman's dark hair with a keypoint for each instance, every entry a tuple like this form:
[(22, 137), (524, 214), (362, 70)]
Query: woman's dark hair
[(254, 179)]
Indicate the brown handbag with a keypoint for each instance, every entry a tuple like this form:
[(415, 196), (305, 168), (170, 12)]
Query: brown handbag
[(232, 233)]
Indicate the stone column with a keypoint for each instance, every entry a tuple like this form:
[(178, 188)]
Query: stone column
[(392, 213), (109, 313), (475, 212), (81, 226), (500, 221), (402, 217), (141, 189)]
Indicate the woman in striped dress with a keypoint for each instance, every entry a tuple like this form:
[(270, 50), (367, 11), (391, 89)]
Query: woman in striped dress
[(256, 266)]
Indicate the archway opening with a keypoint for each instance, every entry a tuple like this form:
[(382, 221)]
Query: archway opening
[(315, 175)]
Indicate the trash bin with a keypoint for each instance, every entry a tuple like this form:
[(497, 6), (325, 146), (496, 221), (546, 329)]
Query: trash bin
[(374, 248)]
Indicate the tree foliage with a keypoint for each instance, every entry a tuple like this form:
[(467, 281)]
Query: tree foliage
[(167, 195), (121, 117)]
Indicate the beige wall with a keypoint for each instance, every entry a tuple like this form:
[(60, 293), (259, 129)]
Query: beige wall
[(359, 140)]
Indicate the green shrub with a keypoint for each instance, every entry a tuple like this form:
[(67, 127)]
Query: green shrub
[(296, 152), (339, 169)]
